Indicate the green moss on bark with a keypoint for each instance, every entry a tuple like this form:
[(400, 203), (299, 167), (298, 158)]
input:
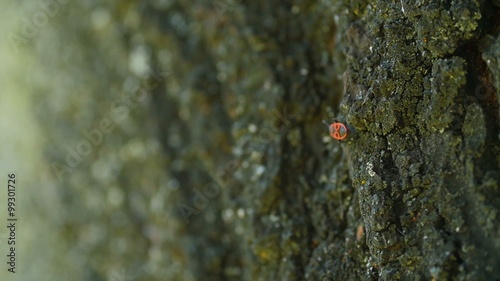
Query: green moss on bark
[(420, 157)]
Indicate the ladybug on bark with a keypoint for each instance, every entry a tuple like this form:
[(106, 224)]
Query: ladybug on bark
[(338, 130)]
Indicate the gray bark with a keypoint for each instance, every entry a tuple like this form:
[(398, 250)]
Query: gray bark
[(253, 186)]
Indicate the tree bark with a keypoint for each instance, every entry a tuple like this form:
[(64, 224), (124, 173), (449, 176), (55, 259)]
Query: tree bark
[(412, 195), (260, 190)]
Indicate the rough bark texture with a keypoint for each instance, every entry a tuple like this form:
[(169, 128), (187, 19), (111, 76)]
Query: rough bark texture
[(247, 184), (426, 162)]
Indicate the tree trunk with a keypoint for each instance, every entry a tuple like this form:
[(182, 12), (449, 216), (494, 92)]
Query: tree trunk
[(257, 188), (420, 198)]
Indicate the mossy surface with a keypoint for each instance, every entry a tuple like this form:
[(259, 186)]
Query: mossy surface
[(225, 170), (428, 139)]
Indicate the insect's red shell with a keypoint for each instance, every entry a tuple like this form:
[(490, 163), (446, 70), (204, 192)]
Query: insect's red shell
[(338, 131)]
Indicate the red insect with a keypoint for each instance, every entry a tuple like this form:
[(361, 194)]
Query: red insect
[(338, 130)]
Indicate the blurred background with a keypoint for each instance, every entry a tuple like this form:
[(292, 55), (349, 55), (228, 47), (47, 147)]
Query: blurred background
[(147, 137)]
